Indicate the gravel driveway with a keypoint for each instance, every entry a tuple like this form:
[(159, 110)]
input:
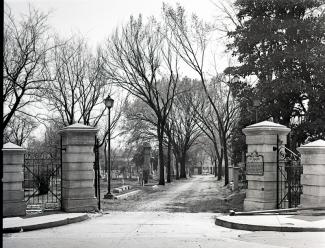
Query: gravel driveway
[(197, 194)]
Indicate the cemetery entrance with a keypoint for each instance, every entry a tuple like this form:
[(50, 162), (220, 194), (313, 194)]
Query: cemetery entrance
[(42, 180)]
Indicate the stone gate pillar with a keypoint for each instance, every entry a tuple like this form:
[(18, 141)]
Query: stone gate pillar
[(78, 192), (13, 177), (313, 177), (261, 138), (146, 162)]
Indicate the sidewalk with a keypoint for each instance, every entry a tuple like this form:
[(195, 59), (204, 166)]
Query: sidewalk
[(274, 222), (18, 224)]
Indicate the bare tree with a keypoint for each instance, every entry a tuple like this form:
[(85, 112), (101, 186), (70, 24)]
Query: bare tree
[(128, 153), (19, 129), (26, 53), (228, 110), (208, 123), (182, 129), (50, 142), (140, 61), (139, 122), (211, 149), (190, 41), (227, 20), (78, 89), (140, 126)]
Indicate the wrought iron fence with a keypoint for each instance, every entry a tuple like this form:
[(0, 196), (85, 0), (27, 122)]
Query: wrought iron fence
[(289, 171), (97, 171), (42, 180)]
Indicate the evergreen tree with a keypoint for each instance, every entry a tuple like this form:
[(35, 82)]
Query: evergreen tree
[(282, 44)]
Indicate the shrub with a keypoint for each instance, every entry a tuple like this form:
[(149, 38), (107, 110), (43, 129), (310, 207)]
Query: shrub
[(42, 182)]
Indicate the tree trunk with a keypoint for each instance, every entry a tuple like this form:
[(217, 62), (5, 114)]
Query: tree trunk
[(215, 168), (160, 135), (220, 167), (169, 149), (219, 157), (226, 161), (176, 165), (183, 168)]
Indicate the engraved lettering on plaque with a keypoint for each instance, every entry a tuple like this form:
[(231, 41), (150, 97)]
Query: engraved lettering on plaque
[(255, 164)]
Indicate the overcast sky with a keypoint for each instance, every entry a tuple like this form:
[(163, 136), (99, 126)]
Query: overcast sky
[(96, 19)]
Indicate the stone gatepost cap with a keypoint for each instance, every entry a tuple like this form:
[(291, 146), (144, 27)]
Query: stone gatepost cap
[(315, 147), (78, 127), (266, 127), (12, 147)]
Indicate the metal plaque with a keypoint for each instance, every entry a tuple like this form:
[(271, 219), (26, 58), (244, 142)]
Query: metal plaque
[(255, 164)]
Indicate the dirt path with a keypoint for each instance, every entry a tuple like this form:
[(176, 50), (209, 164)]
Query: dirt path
[(161, 201), (196, 194)]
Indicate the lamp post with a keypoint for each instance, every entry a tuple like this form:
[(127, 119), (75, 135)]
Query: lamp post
[(109, 102)]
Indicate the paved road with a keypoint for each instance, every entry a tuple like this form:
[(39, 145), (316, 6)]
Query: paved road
[(180, 215), (156, 229)]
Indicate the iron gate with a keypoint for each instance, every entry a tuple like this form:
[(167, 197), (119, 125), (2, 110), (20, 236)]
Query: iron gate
[(97, 171), (289, 170), (42, 180)]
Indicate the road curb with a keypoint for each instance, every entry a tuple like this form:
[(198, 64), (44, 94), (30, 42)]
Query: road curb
[(251, 227), (51, 224)]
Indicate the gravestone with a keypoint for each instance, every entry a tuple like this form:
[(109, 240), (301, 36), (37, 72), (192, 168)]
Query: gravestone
[(146, 162)]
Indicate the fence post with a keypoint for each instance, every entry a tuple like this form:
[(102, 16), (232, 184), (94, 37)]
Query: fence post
[(313, 177), (78, 192), (13, 176)]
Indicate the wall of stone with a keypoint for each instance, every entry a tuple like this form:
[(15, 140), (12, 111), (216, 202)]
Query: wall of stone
[(313, 177), (13, 177), (78, 192)]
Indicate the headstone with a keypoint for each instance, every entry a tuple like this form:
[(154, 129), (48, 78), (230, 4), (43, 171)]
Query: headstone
[(146, 162)]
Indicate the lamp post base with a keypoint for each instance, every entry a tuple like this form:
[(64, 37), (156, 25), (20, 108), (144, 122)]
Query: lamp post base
[(109, 195)]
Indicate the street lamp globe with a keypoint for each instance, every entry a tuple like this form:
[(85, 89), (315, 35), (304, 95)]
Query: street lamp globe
[(109, 102)]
